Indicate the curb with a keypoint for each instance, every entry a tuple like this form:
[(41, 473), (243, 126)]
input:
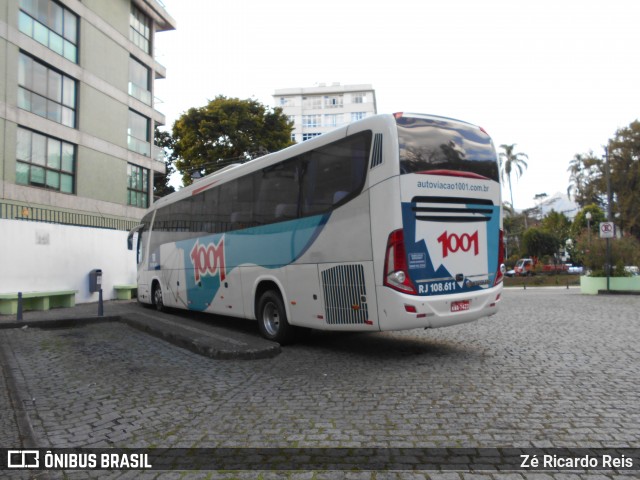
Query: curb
[(235, 346), (213, 346)]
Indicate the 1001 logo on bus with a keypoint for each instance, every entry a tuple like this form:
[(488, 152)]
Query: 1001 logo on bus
[(452, 243), (208, 260)]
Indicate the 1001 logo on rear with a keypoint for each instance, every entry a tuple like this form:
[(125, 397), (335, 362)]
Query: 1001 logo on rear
[(452, 243)]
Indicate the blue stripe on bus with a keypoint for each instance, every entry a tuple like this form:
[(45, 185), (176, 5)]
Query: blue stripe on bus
[(270, 246)]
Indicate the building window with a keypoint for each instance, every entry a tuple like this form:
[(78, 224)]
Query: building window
[(52, 25), (333, 101), (140, 29), (43, 161), (360, 97), (355, 116), (137, 186), (46, 92), (312, 102), (311, 120), (333, 120), (307, 136), (139, 81), (138, 136)]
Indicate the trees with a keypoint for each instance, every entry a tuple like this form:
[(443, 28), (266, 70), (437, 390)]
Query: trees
[(624, 163), (581, 223), (538, 242), (558, 225), (511, 162), (586, 179), (588, 183), (225, 131), (161, 185)]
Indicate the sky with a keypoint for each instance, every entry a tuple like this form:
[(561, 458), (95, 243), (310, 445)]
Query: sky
[(554, 77)]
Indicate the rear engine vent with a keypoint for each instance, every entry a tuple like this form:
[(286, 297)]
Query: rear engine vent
[(345, 295)]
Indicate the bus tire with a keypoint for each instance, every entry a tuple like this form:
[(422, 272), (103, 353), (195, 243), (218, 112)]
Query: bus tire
[(158, 302), (272, 318)]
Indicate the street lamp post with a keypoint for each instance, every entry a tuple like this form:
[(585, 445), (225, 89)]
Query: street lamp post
[(588, 217), (609, 217)]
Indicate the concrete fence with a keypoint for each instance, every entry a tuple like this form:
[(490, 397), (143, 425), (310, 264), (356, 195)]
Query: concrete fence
[(50, 257), (592, 285)]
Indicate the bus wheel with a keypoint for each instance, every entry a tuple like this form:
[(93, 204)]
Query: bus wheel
[(272, 318), (157, 298)]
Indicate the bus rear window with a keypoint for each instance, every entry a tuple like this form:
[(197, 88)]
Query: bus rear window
[(432, 143)]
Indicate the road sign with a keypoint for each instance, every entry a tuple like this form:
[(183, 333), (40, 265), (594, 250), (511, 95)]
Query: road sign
[(607, 230)]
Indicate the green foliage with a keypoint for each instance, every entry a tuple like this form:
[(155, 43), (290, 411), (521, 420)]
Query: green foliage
[(624, 161), (513, 228), (588, 183), (591, 250), (225, 131), (161, 185), (558, 225), (538, 242), (580, 222)]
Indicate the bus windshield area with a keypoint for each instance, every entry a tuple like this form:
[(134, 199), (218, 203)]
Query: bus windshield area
[(438, 144)]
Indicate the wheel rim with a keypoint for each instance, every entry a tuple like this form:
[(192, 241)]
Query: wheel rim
[(271, 318)]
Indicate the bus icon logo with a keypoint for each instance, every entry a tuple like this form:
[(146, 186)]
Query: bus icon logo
[(23, 459)]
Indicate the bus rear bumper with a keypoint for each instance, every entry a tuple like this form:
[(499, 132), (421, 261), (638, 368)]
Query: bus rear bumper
[(399, 311)]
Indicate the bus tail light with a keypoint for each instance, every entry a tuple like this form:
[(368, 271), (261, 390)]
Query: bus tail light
[(396, 273), (501, 267)]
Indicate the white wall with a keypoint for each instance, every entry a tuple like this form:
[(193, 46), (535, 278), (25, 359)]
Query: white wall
[(40, 257)]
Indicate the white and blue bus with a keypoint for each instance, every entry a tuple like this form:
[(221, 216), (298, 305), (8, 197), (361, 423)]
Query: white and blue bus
[(392, 222)]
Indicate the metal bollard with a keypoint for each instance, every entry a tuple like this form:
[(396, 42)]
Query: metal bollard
[(19, 313), (100, 305)]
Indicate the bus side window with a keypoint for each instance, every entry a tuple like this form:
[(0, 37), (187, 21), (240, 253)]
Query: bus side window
[(335, 173), (243, 203), (277, 198), (225, 208)]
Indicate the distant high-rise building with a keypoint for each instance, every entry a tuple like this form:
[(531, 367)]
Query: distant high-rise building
[(77, 109), (317, 110)]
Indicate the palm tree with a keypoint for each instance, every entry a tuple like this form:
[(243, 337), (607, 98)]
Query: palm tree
[(513, 163)]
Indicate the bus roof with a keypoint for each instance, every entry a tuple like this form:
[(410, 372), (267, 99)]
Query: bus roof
[(236, 170)]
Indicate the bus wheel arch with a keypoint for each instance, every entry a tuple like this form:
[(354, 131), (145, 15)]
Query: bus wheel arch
[(271, 313)]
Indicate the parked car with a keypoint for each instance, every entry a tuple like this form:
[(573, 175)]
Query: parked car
[(575, 269), (524, 266), (633, 270)]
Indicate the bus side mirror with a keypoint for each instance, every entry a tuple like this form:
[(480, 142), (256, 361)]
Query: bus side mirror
[(132, 238)]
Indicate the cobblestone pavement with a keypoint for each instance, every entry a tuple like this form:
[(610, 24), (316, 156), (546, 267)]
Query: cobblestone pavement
[(553, 369)]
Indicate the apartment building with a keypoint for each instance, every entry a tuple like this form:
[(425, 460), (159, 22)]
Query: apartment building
[(77, 110), (317, 110)]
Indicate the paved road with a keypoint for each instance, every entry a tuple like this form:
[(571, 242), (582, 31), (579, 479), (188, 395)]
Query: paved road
[(553, 369)]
